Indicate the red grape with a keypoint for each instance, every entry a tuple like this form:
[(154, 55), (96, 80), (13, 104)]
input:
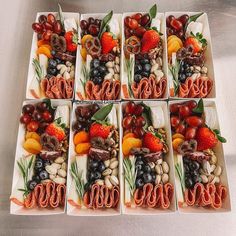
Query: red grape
[(137, 16), (138, 110), (174, 120), (47, 116), (139, 32), (139, 132), (48, 26), (127, 122), (174, 108), (47, 35), (191, 104), (37, 27), (41, 106), (145, 20), (180, 129), (42, 19), (169, 19), (25, 119), (127, 20), (38, 116), (28, 109), (140, 121), (57, 27), (176, 24), (93, 30), (33, 126), (91, 20), (183, 19), (194, 121), (133, 24), (130, 108), (83, 24), (51, 19), (184, 111), (190, 133)]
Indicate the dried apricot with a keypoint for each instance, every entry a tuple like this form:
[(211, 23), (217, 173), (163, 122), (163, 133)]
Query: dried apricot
[(85, 38), (83, 53), (44, 50), (177, 135), (82, 148), (130, 143), (42, 42), (32, 146), (32, 135), (176, 142), (81, 137), (129, 135)]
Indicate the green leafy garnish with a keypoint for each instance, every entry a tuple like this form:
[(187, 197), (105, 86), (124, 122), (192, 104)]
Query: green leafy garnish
[(61, 17), (153, 12), (180, 174), (200, 38), (38, 69), (130, 173), (104, 23), (174, 69), (192, 18), (102, 113), (199, 108), (79, 183), (85, 73), (147, 116), (49, 105), (219, 137), (130, 68), (25, 164)]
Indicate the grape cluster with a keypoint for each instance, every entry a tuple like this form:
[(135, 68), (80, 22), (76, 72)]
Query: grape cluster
[(90, 26)]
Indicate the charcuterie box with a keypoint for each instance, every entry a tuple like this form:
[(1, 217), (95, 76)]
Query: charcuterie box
[(189, 55), (60, 67), (156, 61), (142, 194), (34, 159), (94, 167), (200, 169), (98, 60)]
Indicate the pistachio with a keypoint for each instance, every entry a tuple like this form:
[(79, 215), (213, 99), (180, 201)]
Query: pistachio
[(206, 167), (117, 60), (165, 167), (59, 160), (116, 76), (108, 76), (107, 163), (59, 180), (50, 169), (108, 182), (218, 171), (154, 68), (204, 179), (151, 164), (62, 173), (113, 159), (117, 69), (56, 166), (165, 178), (66, 75), (210, 178), (158, 179), (159, 61), (72, 74), (99, 182), (204, 70), (68, 63), (213, 159), (213, 167), (114, 180), (115, 172), (64, 166), (158, 169), (110, 64), (106, 172), (159, 74), (111, 70), (52, 177), (159, 161), (114, 164), (63, 69)]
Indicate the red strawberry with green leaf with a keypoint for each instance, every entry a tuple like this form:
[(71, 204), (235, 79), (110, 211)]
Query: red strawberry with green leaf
[(152, 142), (150, 40), (56, 129), (108, 42), (196, 41), (71, 40), (99, 130)]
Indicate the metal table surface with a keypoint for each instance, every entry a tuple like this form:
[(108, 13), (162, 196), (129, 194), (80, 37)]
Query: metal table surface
[(16, 18)]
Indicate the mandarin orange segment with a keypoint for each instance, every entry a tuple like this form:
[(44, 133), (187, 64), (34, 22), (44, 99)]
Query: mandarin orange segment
[(44, 50), (177, 135), (32, 146), (32, 135), (82, 148), (130, 143), (128, 135), (176, 142), (81, 137)]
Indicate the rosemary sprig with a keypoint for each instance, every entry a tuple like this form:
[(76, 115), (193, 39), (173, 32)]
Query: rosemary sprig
[(130, 173), (79, 183), (174, 69), (61, 17), (85, 73), (25, 165), (180, 174), (129, 66), (38, 69)]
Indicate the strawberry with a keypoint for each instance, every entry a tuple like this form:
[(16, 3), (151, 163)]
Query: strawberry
[(150, 40), (152, 142), (196, 41), (206, 138), (108, 42), (99, 130), (71, 40), (56, 129)]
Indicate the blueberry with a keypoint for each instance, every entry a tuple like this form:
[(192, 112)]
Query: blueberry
[(52, 63), (196, 179), (137, 78), (97, 175), (53, 53), (194, 165), (58, 61), (186, 168), (147, 169), (37, 171), (140, 173), (87, 186), (188, 74), (139, 158), (95, 63), (182, 78), (93, 164), (137, 68), (144, 61), (153, 177), (31, 184), (138, 167), (145, 74), (38, 164), (46, 162), (91, 176), (36, 178), (52, 71), (94, 73), (189, 183), (186, 160), (102, 70), (147, 67), (43, 175), (139, 162), (139, 182), (147, 178), (101, 167)]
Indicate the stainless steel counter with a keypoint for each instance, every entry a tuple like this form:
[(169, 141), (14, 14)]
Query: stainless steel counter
[(16, 18)]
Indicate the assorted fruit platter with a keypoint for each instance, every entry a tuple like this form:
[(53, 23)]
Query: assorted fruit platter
[(99, 59), (189, 55), (144, 55), (147, 162), (93, 183), (53, 56), (39, 181), (201, 180)]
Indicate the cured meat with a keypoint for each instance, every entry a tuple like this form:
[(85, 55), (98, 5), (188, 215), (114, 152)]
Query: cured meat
[(109, 90), (158, 196), (56, 88), (149, 88), (101, 197), (198, 88), (209, 195), (46, 195)]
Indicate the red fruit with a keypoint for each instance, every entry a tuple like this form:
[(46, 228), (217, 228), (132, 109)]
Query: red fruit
[(48, 26), (145, 19), (174, 120), (190, 133), (139, 32), (28, 109), (25, 119), (184, 111), (176, 24), (71, 41), (51, 19), (47, 116), (169, 19), (194, 121), (183, 19), (138, 132), (150, 40), (108, 42), (130, 108), (32, 126), (127, 20), (127, 122), (191, 104), (180, 129), (196, 41), (174, 108), (138, 110), (37, 27), (99, 130), (133, 24), (57, 28), (137, 16), (152, 142), (140, 121), (57, 130), (47, 35), (206, 139)]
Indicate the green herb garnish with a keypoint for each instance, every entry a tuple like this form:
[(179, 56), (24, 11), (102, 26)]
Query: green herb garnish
[(104, 23), (192, 18), (200, 38), (174, 69), (102, 113), (38, 69), (49, 105), (219, 137), (153, 12), (85, 73), (130, 68), (180, 174), (147, 116), (61, 17), (199, 108), (79, 183)]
